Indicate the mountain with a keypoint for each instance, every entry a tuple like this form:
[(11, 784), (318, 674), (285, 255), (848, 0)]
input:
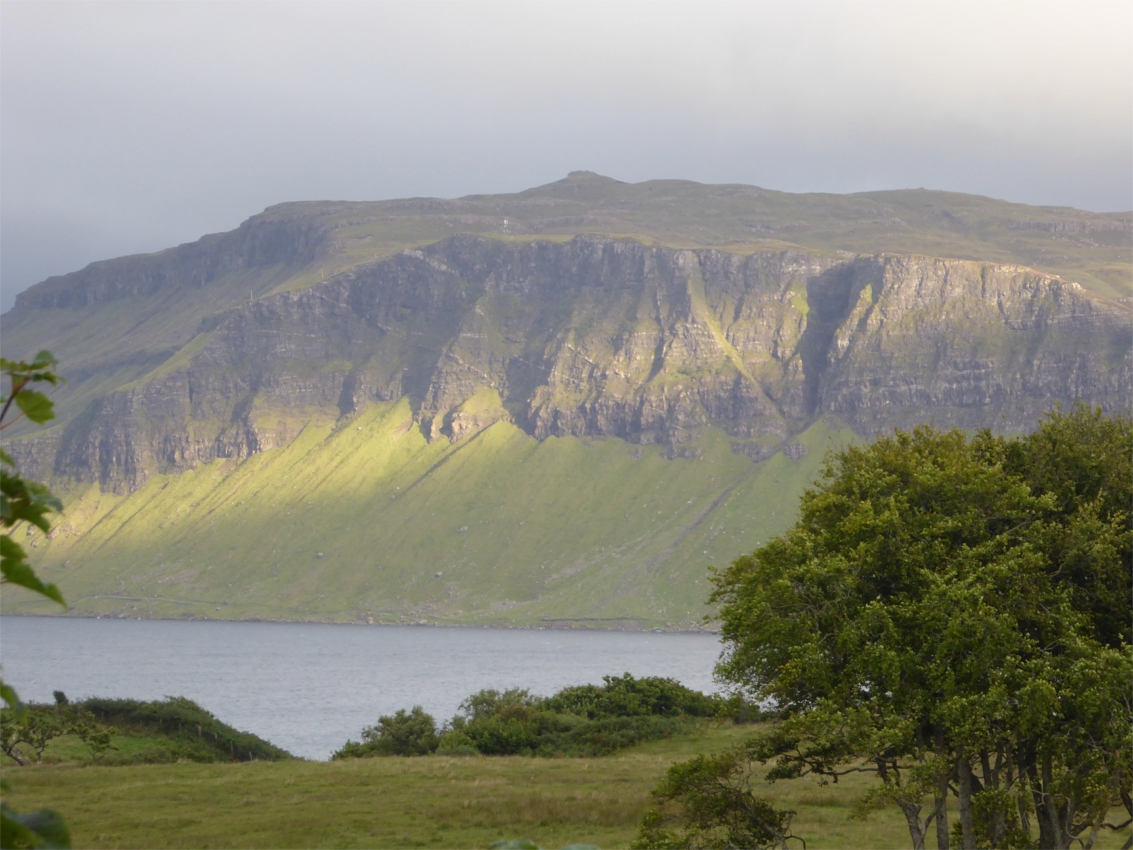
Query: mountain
[(553, 407)]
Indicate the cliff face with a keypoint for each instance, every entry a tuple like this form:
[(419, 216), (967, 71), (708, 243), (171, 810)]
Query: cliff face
[(258, 243), (605, 337)]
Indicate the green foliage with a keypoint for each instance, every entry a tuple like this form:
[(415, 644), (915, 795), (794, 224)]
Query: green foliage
[(182, 728), (490, 702), (26, 501), (581, 721), (1082, 460), (996, 823), (400, 734), (585, 720), (28, 736), (125, 731), (707, 802), (43, 829), (630, 697), (22, 500), (953, 613), (97, 739), (519, 730)]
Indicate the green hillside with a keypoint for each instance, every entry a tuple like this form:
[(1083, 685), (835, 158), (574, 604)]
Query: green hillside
[(364, 519)]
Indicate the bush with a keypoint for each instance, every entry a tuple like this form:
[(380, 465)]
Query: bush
[(489, 702), (456, 743), (517, 730), (707, 802), (587, 720), (603, 737), (401, 734), (626, 696)]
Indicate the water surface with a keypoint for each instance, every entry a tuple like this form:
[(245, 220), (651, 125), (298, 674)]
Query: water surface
[(308, 687)]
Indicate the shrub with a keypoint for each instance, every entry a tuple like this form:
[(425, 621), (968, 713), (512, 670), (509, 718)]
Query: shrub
[(587, 720), (456, 743), (707, 802), (626, 696), (490, 702), (412, 733)]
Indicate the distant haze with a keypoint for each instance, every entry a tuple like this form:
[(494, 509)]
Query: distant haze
[(132, 127)]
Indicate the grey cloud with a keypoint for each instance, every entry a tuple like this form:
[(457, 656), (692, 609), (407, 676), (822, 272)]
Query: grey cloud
[(131, 127)]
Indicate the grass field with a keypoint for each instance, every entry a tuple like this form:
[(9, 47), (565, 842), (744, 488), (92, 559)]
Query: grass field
[(397, 802), (417, 802)]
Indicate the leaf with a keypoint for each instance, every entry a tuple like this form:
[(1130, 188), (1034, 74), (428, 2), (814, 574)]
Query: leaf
[(6, 458), (36, 406), (8, 694), (38, 370), (15, 570), (44, 359), (28, 501)]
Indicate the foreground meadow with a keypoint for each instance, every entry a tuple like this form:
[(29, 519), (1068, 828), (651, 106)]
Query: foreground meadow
[(416, 802)]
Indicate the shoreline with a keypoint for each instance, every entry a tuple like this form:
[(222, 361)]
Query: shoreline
[(553, 625)]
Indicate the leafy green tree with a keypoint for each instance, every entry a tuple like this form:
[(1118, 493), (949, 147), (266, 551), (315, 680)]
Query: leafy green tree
[(412, 733), (27, 501), (97, 739), (27, 737), (939, 620), (490, 702)]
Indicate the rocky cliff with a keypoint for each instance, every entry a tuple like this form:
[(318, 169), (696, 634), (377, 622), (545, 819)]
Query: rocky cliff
[(609, 337)]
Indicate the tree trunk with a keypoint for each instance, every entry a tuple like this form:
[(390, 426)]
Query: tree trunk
[(917, 830), (1051, 816), (941, 799), (1024, 815), (964, 789), (943, 839), (12, 755)]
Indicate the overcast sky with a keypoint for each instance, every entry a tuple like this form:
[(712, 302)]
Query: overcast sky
[(132, 127)]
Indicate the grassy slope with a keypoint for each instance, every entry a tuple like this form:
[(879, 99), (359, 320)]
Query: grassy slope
[(356, 519), (163, 731), (421, 802)]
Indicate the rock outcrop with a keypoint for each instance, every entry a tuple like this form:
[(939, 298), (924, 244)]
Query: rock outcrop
[(601, 337)]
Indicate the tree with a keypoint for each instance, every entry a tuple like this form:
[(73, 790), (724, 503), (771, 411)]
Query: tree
[(412, 733), (97, 739), (29, 733), (27, 501), (943, 615)]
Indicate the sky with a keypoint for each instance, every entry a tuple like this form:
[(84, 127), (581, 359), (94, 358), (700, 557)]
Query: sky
[(132, 127)]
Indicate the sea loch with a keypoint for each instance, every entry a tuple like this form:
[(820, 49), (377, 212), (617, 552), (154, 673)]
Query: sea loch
[(309, 687)]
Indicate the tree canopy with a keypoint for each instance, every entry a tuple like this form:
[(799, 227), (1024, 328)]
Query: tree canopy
[(953, 614)]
